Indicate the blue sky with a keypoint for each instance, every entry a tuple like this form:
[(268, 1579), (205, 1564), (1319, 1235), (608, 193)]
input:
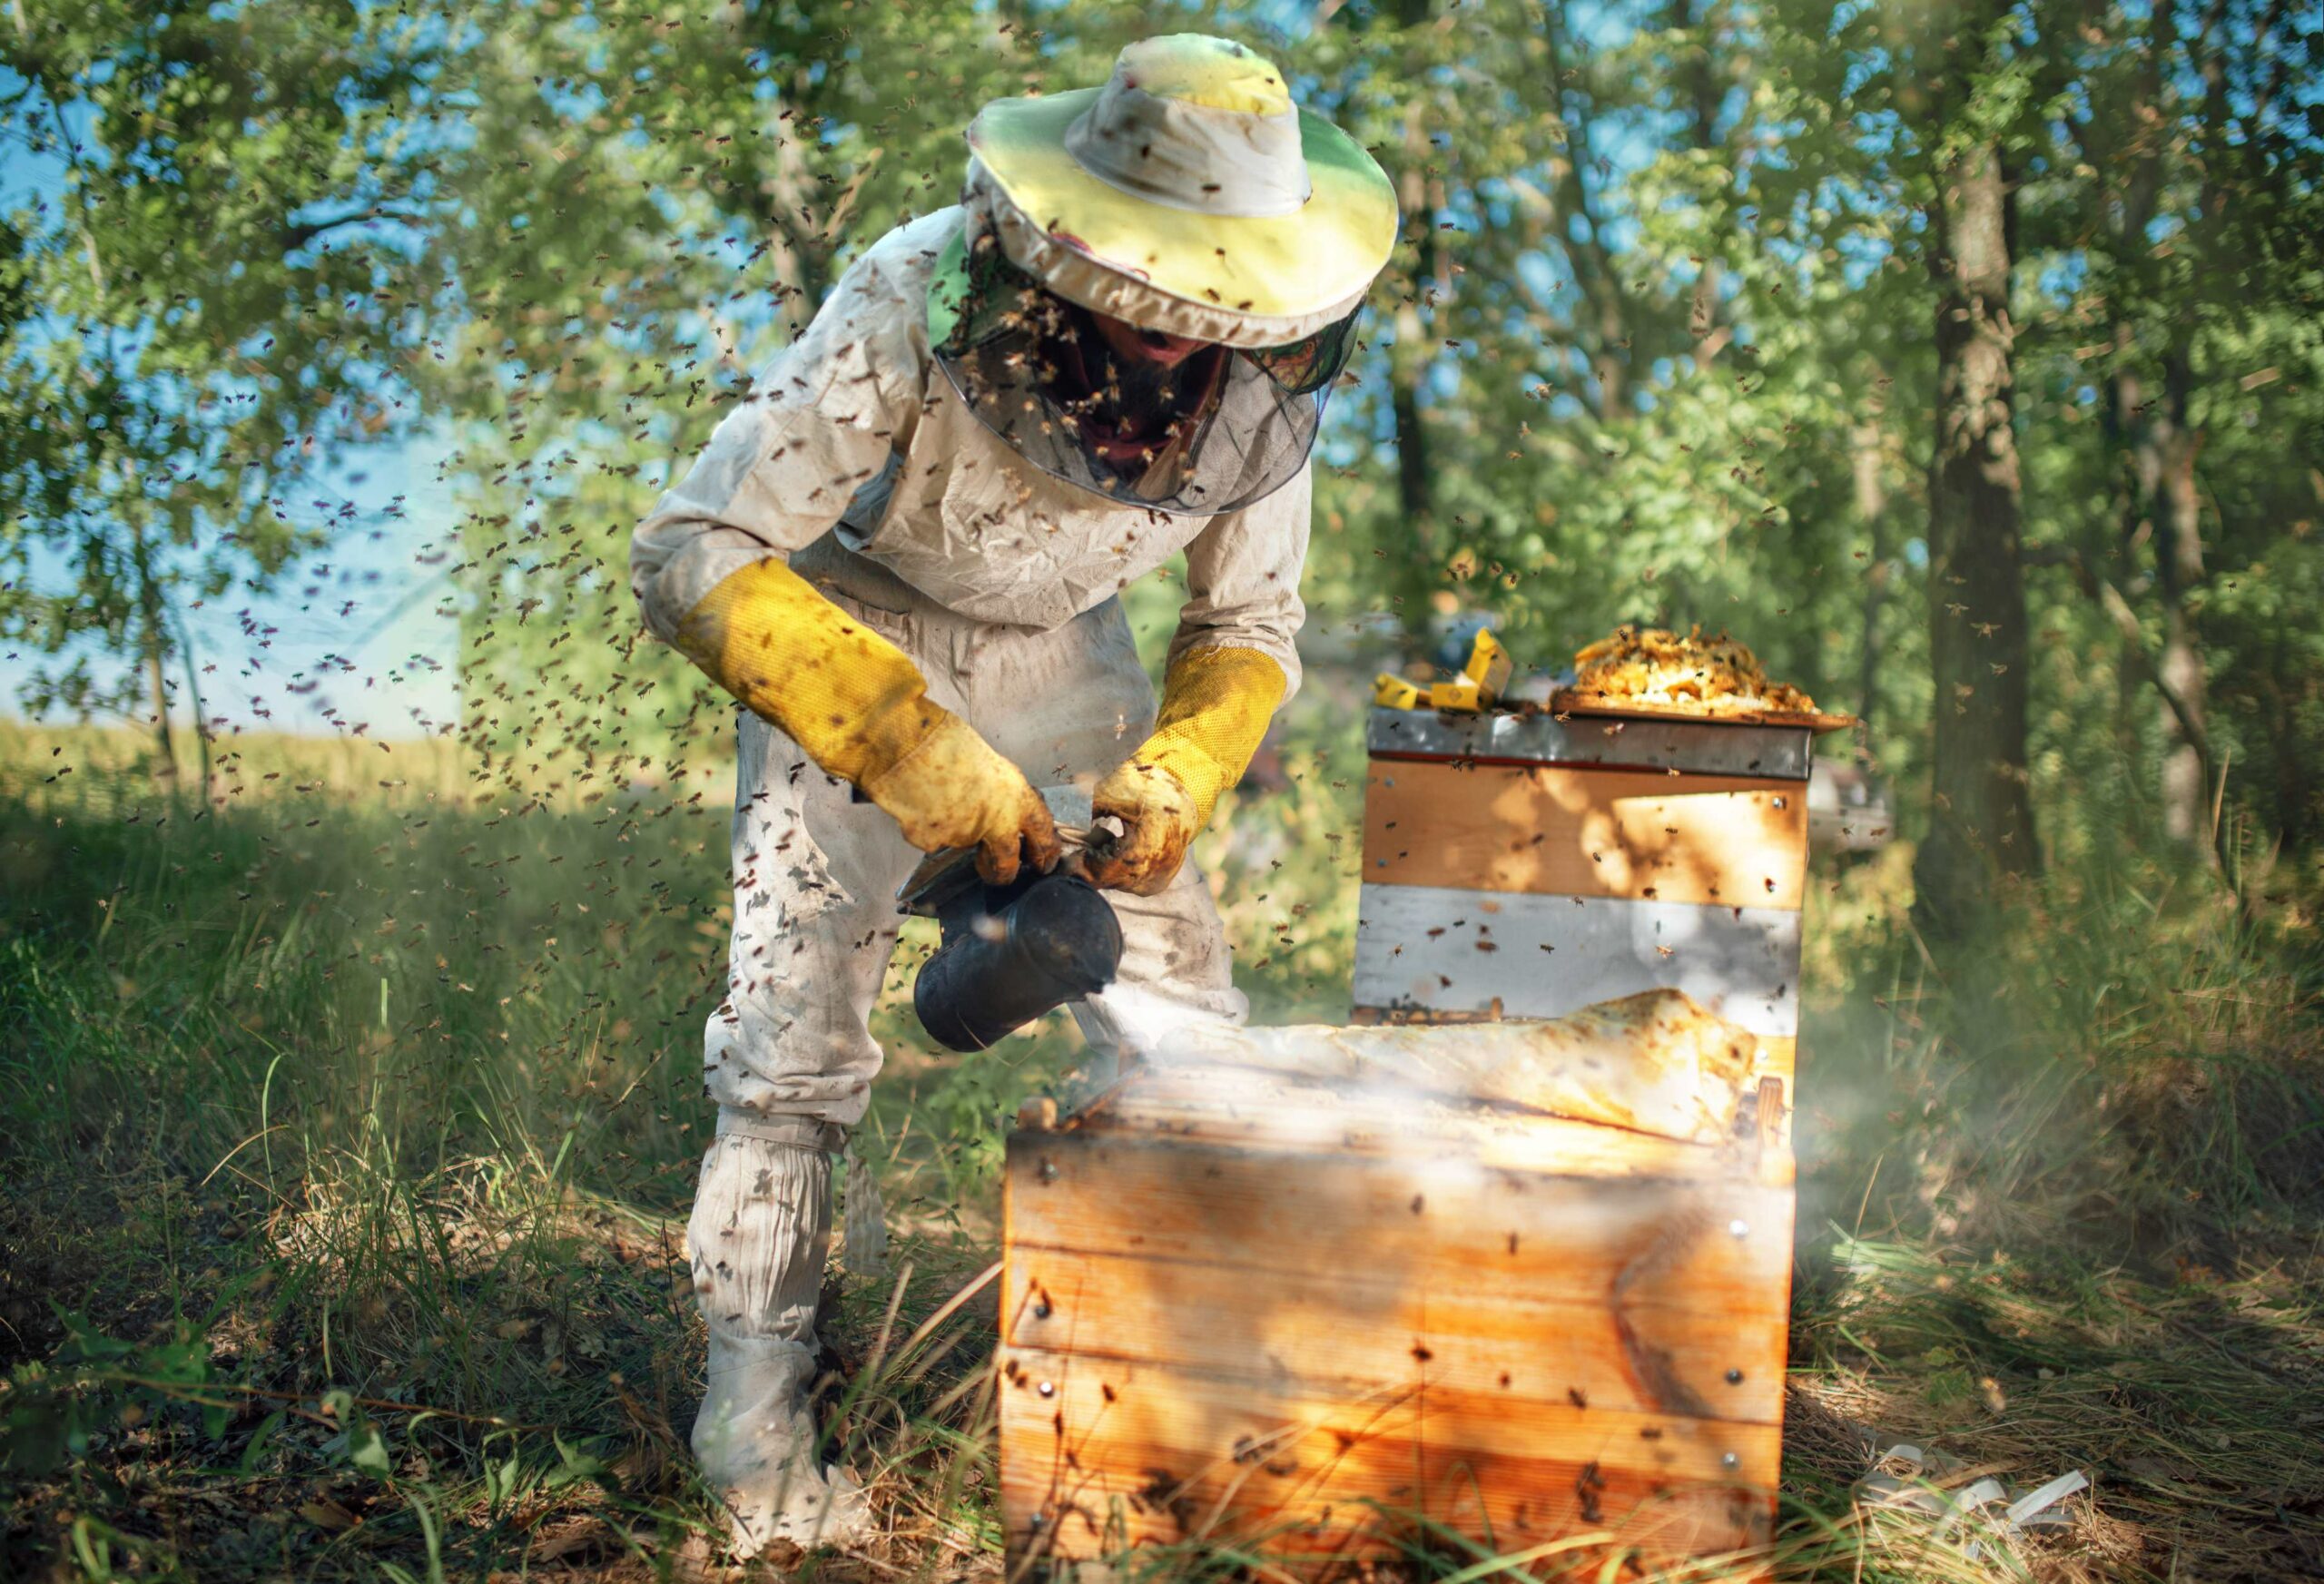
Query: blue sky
[(352, 636)]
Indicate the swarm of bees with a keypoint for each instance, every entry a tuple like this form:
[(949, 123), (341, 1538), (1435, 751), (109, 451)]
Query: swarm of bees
[(1652, 665)]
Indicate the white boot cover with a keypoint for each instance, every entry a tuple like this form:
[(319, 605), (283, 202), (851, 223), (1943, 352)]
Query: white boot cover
[(759, 1235)]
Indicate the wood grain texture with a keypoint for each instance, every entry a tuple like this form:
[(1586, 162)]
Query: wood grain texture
[(1780, 1053), (1637, 1292), (1546, 956), (1715, 1353), (1096, 1454), (1781, 1057), (1563, 830), (1265, 1110), (1778, 1057), (1652, 1063)]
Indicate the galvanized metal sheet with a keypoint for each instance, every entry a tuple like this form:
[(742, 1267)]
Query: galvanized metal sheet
[(1546, 956), (1703, 747)]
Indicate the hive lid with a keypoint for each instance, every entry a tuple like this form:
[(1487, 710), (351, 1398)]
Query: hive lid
[(1692, 745)]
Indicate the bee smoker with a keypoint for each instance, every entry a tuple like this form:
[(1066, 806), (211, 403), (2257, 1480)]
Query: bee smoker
[(1009, 953)]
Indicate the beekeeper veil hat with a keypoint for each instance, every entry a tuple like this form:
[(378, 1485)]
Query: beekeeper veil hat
[(1187, 197)]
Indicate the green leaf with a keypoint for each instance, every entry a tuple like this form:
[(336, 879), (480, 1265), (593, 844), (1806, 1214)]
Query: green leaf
[(257, 1444), (368, 1450)]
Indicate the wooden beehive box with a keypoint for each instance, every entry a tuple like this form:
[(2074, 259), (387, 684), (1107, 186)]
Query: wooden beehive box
[(1302, 1317), (1527, 866), (1264, 1312)]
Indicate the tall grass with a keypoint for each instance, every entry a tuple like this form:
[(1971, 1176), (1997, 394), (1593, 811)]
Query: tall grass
[(351, 1110)]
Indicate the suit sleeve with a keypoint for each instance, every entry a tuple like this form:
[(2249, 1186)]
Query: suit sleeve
[(780, 468), (1243, 581)]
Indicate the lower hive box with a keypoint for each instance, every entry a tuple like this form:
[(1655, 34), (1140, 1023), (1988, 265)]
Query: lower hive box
[(1301, 1292)]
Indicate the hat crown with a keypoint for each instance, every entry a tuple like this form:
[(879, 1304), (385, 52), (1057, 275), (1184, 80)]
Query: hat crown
[(1196, 123), (1216, 73)]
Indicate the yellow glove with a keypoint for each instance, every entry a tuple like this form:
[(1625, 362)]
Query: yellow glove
[(1215, 706), (859, 708)]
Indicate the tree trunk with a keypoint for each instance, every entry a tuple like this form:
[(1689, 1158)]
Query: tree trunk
[(156, 655), (2156, 503), (156, 646), (2123, 417), (1415, 498), (193, 697), (1703, 91), (2178, 559), (2160, 509), (1982, 819), (1595, 274), (1872, 506), (1417, 573)]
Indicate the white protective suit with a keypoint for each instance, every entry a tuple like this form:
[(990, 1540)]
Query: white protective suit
[(856, 459), (857, 462)]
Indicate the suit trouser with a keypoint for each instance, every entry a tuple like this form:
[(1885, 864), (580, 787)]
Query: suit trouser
[(789, 1055)]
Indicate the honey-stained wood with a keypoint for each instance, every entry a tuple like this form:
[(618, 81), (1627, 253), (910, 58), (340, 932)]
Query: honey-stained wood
[(1648, 1350), (1101, 1453), (1557, 830), (1644, 1284), (1778, 1054), (1546, 956), (1777, 1104)]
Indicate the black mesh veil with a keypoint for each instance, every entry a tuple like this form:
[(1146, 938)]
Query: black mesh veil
[(1223, 428)]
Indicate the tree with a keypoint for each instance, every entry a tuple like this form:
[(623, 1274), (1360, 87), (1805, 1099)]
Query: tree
[(2191, 154), (204, 310), (642, 215), (1981, 821), (1906, 127)]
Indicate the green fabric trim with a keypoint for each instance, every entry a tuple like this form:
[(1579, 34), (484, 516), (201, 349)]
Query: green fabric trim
[(948, 290)]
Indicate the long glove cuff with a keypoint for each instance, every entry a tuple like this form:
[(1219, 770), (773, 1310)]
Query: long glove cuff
[(1215, 706), (854, 702)]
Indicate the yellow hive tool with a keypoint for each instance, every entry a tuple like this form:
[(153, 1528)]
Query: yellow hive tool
[(1478, 687), (1395, 692)]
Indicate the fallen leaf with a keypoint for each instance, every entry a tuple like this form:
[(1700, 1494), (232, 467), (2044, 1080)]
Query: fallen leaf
[(325, 1513)]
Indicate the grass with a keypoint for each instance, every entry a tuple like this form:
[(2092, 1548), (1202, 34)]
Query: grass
[(351, 1117)]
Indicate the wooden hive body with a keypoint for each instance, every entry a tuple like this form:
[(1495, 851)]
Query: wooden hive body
[(1264, 1312), (1526, 866), (1301, 1317)]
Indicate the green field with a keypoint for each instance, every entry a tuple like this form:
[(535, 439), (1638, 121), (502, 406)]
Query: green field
[(350, 1116)]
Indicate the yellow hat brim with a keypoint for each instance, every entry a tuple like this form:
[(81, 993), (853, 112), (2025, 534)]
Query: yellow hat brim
[(1278, 266)]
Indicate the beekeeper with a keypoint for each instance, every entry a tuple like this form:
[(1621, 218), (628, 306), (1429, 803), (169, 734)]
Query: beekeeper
[(903, 553)]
